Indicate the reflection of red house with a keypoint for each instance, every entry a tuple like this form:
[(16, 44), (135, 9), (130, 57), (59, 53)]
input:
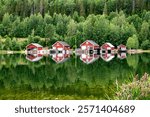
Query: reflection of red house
[(86, 58), (89, 45), (34, 58), (61, 46), (122, 47), (107, 48), (60, 57), (121, 55), (34, 48), (107, 56)]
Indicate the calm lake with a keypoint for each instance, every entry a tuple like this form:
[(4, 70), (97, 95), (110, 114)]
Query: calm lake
[(72, 79)]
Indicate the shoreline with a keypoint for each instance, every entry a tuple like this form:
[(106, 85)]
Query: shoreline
[(130, 51), (11, 52)]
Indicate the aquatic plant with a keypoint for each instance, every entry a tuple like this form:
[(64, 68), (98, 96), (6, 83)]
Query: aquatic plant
[(138, 89)]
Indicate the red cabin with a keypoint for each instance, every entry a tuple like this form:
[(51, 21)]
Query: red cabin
[(34, 48), (107, 56), (86, 58), (89, 45), (33, 58), (107, 48), (122, 47), (60, 57), (60, 46)]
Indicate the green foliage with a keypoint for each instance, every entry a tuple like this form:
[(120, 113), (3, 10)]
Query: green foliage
[(50, 31), (145, 30), (25, 8), (133, 61), (1, 44), (136, 90), (133, 42), (15, 45), (145, 44), (76, 20), (8, 43)]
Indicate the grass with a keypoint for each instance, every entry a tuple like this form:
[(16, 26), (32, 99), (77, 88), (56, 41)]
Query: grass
[(138, 89)]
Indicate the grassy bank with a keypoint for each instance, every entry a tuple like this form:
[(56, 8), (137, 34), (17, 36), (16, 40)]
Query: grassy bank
[(11, 52)]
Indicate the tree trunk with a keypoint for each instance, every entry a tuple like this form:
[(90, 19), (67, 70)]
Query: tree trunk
[(133, 6), (42, 7)]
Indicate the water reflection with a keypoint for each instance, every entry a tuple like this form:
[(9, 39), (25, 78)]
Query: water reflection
[(122, 55), (86, 57), (60, 57), (34, 57), (22, 79)]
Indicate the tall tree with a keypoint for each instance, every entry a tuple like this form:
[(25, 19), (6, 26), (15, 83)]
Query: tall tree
[(133, 42), (144, 33)]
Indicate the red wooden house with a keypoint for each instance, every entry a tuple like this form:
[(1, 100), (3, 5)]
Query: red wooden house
[(121, 55), (107, 48), (34, 48), (60, 57), (107, 56), (86, 58), (61, 47), (122, 48), (33, 58), (89, 45)]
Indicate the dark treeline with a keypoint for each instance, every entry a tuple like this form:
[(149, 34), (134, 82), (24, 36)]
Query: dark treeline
[(25, 8), (116, 21)]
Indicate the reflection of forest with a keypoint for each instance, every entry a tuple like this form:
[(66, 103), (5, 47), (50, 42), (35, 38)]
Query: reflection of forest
[(21, 79)]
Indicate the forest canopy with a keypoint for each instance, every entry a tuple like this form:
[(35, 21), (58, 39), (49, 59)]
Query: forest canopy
[(46, 21)]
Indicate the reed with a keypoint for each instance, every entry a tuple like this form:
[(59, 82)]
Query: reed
[(138, 89)]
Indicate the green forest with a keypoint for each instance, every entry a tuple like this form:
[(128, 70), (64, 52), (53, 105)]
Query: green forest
[(46, 21)]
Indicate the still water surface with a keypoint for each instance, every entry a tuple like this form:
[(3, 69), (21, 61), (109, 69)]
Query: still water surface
[(72, 79)]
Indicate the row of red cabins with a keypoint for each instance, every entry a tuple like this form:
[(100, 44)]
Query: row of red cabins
[(90, 50), (61, 50)]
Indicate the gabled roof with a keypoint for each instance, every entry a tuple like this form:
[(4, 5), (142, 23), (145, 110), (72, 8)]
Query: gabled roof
[(61, 42), (35, 44), (91, 41), (121, 45), (108, 44)]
